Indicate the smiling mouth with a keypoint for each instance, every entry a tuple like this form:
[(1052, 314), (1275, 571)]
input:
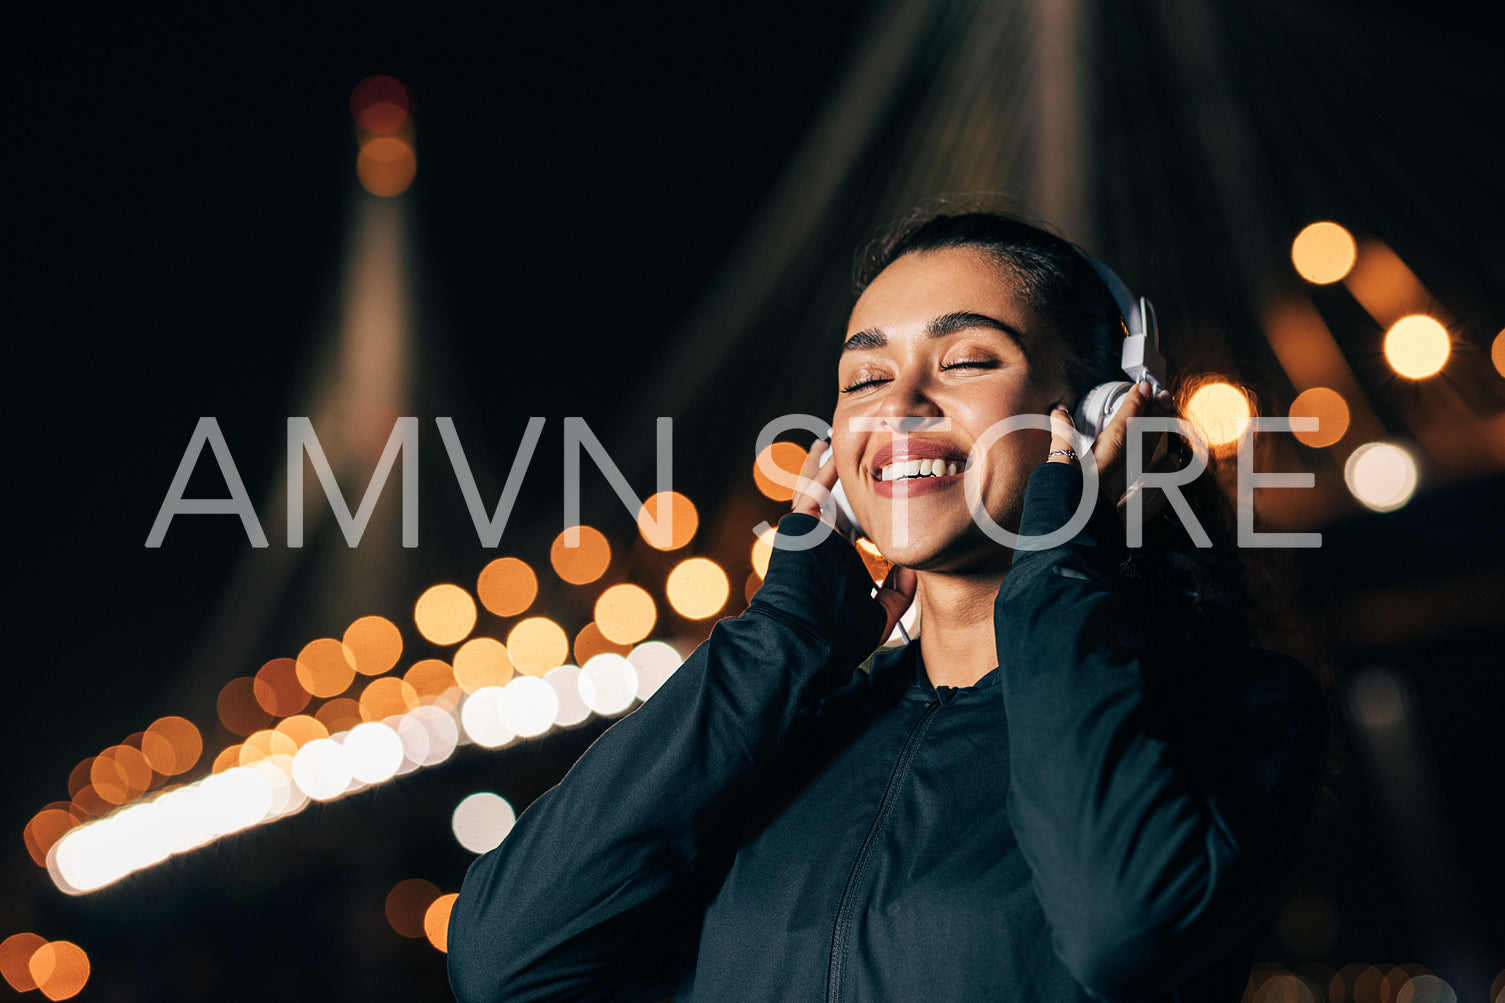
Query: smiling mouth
[(911, 469)]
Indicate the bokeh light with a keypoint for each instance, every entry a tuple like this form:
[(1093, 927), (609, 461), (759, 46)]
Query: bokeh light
[(528, 706), (429, 736), (1219, 411), (1330, 410), (15, 957), (537, 644), (481, 716), (120, 774), (436, 920), (373, 752), (762, 550), (1323, 253), (1497, 353), (237, 707), (445, 614), (374, 643), (434, 682), (172, 745), (46, 828), (507, 586), (673, 515), (321, 769), (387, 697), (386, 166), (1381, 475), (302, 729), (783, 455), (565, 679), (266, 743), (339, 714), (591, 642), (1425, 988), (60, 969), (482, 661), (481, 821), (277, 689), (325, 668), (697, 588), (407, 902), (625, 614), (379, 104), (583, 564), (1417, 346), (608, 684), (654, 662)]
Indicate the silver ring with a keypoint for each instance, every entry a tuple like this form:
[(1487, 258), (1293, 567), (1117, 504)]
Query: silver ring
[(1068, 452)]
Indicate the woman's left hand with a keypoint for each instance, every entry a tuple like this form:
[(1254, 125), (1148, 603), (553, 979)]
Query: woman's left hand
[(1110, 450)]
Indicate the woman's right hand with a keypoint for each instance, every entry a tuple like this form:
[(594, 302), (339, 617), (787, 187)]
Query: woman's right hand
[(813, 497)]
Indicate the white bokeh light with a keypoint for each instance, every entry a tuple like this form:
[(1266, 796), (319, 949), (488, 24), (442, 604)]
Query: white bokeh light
[(654, 662), (528, 705), (482, 821), (608, 684), (321, 770), (1381, 475), (566, 682), (482, 718), (373, 751)]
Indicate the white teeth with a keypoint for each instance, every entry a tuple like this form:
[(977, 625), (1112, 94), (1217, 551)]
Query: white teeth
[(917, 468)]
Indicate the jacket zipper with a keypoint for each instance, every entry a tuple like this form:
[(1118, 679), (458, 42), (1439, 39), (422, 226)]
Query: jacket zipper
[(859, 866)]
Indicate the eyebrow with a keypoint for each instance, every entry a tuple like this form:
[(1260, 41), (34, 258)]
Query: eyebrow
[(938, 327)]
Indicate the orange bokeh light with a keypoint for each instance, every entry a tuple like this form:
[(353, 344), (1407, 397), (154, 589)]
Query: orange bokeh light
[(585, 563), (1324, 253), (325, 668), (786, 456), (1330, 410), (277, 689), (226, 759), (375, 644), (120, 774), (407, 903), (762, 551), (266, 743), (537, 645), (432, 680), (339, 714), (1219, 410), (237, 707), (386, 166), (172, 745), (482, 661), (445, 614), (507, 586), (590, 642), (668, 520), (60, 968), (302, 729), (387, 697), (436, 920), (15, 958), (697, 588), (46, 828), (625, 614)]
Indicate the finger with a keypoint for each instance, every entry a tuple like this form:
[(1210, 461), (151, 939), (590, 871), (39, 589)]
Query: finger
[(815, 481), (896, 594), (1061, 427)]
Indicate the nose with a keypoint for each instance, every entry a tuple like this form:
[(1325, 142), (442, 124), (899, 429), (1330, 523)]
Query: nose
[(909, 406)]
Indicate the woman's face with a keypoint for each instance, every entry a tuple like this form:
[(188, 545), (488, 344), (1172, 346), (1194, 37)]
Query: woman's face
[(942, 336)]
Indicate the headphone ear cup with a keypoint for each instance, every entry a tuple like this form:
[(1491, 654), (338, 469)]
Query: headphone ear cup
[(1098, 407)]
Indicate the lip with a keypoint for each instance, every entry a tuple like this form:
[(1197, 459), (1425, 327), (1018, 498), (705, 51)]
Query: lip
[(912, 448)]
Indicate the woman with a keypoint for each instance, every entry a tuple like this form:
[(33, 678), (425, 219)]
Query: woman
[(1078, 782)]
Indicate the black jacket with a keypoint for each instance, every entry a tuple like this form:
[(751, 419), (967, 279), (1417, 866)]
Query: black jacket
[(773, 825)]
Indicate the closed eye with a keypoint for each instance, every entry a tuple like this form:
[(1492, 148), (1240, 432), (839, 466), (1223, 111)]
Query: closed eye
[(972, 364), (862, 384)]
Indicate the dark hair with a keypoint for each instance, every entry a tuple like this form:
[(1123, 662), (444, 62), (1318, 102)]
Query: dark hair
[(1188, 594)]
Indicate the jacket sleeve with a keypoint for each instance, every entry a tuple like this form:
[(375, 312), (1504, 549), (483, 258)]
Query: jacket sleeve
[(1155, 820), (595, 891)]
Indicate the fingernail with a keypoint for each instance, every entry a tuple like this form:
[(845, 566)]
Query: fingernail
[(1144, 389)]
